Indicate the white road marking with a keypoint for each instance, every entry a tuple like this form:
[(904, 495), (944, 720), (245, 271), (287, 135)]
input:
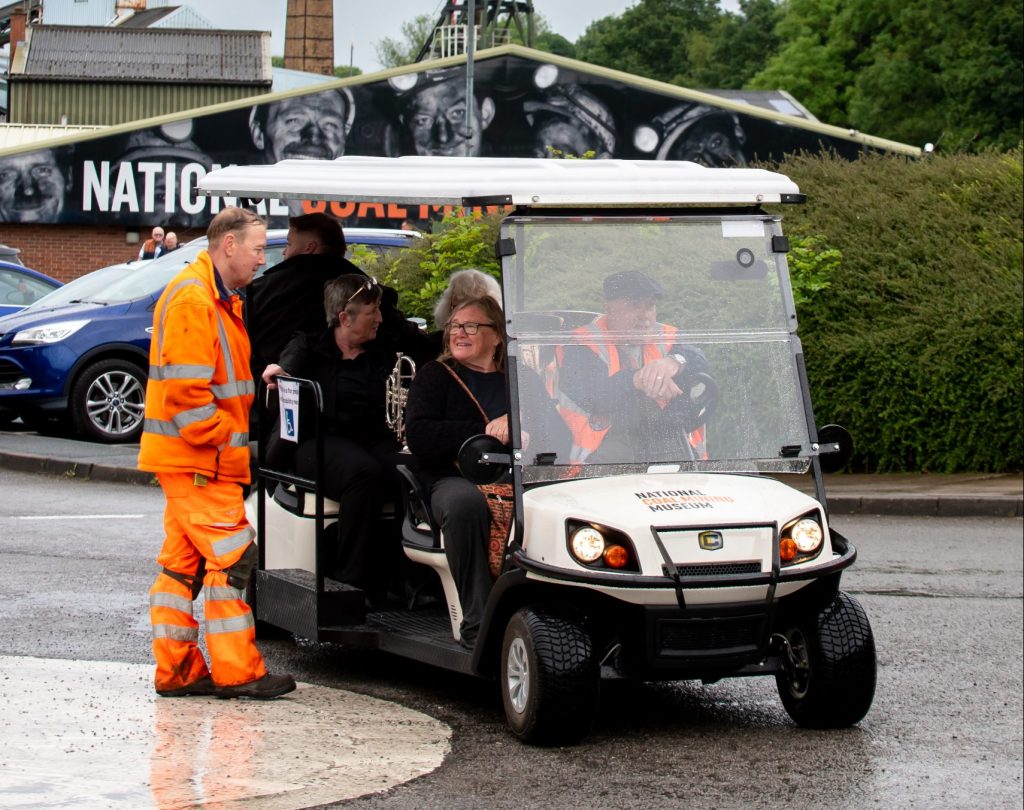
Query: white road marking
[(78, 517)]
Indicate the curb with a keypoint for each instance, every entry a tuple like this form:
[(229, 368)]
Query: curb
[(22, 462), (930, 505), (927, 505)]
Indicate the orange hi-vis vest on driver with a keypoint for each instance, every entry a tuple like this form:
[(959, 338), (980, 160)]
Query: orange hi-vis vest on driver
[(586, 436), (200, 386)]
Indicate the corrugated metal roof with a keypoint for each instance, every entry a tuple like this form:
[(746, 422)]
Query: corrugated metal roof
[(149, 54), (144, 19), (17, 134)]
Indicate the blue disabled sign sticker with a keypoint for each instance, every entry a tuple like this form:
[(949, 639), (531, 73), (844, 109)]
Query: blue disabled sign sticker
[(288, 397)]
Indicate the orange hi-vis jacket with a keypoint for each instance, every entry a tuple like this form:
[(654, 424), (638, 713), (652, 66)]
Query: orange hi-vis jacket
[(586, 436), (200, 386)]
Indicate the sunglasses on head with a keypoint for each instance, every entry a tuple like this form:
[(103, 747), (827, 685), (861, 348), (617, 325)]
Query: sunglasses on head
[(367, 286)]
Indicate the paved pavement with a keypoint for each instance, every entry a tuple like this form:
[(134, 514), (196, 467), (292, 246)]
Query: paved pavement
[(963, 495)]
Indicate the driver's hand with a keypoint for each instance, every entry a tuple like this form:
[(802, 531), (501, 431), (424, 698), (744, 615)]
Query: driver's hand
[(498, 428), (655, 379), (270, 372)]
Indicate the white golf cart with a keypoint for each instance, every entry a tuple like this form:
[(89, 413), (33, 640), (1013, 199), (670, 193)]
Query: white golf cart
[(673, 550)]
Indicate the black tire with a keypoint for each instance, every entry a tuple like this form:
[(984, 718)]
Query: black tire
[(108, 401), (550, 679), (836, 685)]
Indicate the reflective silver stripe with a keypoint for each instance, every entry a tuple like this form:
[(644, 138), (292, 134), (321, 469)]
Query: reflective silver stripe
[(235, 389), (193, 415), (171, 600), (235, 541), (223, 593), (239, 440), (180, 372), (175, 632), (232, 625), (161, 427), (225, 349)]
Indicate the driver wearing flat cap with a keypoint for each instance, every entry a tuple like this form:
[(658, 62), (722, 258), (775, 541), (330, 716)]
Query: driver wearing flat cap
[(627, 383)]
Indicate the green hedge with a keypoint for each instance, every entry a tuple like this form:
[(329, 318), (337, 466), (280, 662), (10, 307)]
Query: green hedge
[(911, 273)]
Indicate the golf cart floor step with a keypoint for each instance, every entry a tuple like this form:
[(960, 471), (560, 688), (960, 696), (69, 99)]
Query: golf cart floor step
[(432, 623)]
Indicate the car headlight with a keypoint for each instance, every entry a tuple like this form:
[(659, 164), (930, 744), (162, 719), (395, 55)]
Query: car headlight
[(586, 544), (48, 333), (601, 547), (801, 539)]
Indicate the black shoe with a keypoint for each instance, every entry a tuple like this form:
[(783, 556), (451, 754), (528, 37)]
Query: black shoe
[(265, 688), (204, 687)]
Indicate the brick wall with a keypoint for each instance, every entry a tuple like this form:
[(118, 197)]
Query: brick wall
[(69, 251)]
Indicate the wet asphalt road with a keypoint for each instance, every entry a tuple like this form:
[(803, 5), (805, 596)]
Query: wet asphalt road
[(944, 596)]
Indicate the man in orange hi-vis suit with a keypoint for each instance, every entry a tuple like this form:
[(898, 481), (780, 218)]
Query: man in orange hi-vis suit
[(196, 440)]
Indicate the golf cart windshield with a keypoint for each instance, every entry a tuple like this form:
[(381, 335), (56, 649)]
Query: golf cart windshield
[(591, 301)]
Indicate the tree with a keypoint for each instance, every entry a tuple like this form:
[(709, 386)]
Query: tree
[(653, 38), (736, 48), (916, 71), (395, 53)]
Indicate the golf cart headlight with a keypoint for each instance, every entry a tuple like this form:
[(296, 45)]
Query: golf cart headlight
[(587, 544), (807, 535), (48, 333)]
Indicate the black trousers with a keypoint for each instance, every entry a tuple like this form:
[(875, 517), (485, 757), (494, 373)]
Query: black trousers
[(362, 479), (461, 511)]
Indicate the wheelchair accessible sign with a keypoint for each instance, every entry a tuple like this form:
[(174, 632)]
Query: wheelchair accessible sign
[(288, 397)]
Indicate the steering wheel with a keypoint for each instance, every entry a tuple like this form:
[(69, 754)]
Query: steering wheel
[(702, 394)]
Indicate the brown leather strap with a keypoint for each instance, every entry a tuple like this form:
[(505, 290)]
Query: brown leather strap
[(469, 393)]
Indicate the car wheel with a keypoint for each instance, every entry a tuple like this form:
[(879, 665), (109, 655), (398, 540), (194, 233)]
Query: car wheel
[(832, 682), (550, 679), (108, 401)]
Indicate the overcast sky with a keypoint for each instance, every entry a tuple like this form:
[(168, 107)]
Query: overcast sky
[(364, 24)]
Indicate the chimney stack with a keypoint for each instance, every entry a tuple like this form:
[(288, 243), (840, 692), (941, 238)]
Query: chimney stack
[(17, 32), (309, 36)]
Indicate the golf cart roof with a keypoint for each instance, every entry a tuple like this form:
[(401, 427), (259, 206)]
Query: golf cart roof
[(531, 182)]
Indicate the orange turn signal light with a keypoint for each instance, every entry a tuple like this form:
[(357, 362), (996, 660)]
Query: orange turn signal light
[(618, 557), (787, 549)]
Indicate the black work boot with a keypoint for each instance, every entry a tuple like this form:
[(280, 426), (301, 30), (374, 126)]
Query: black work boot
[(204, 687), (265, 688)]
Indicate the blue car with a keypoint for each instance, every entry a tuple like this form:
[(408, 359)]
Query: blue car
[(20, 287), (79, 357)]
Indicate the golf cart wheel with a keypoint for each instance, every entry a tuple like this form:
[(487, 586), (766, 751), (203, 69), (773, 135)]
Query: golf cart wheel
[(549, 677), (108, 401), (833, 681)]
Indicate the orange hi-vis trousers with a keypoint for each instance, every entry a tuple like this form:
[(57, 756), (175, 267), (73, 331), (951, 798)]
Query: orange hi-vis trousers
[(204, 518)]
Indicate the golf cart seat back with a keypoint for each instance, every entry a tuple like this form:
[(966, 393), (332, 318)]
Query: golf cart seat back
[(423, 542)]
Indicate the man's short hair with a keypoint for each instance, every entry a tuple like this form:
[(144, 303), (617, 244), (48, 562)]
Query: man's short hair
[(231, 220), (633, 285), (327, 229)]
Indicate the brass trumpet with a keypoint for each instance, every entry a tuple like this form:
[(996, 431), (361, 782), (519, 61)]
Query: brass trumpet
[(397, 394)]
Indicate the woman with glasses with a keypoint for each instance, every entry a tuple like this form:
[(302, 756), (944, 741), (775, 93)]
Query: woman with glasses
[(463, 394), (360, 451)]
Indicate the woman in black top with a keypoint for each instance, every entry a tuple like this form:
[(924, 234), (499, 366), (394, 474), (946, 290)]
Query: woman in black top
[(440, 416), (360, 451)]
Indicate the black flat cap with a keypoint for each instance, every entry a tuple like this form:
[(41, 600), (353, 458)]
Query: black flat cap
[(631, 284)]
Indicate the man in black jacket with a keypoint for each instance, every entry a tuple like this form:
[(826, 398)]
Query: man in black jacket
[(289, 298)]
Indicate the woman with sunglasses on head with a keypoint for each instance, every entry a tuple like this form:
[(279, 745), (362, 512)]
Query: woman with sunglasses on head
[(360, 450), (463, 394)]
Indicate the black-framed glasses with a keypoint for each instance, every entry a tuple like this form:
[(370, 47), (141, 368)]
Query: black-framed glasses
[(366, 286), (470, 328)]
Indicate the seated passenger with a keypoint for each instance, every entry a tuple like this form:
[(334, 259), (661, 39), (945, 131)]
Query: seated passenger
[(360, 451), (462, 286), (625, 402), (460, 395)]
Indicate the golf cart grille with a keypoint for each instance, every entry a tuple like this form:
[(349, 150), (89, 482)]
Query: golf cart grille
[(718, 569), (718, 636)]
